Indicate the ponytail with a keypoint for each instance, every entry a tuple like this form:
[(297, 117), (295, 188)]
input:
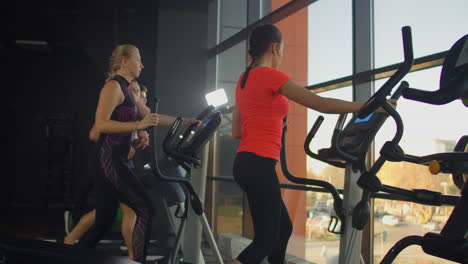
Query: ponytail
[(246, 74), (259, 41)]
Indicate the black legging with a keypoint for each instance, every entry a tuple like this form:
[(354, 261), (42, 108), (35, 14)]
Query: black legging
[(117, 182), (257, 178)]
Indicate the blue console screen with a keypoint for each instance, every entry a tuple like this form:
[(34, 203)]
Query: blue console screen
[(358, 120)]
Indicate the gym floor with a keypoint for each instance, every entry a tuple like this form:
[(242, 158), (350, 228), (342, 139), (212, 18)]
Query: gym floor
[(48, 224), (30, 223)]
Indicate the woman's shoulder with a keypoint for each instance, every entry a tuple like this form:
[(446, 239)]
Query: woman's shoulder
[(272, 74), (111, 87), (267, 70)]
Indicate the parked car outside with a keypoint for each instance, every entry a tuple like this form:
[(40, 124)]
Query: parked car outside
[(391, 220)]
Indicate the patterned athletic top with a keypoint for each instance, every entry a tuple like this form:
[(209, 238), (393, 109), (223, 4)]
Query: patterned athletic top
[(125, 112)]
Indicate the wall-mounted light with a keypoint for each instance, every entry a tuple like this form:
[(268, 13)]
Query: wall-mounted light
[(216, 98)]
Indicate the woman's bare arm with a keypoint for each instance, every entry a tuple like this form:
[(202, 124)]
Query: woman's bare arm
[(110, 97), (313, 101)]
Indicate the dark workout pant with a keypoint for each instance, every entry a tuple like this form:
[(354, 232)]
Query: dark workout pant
[(117, 183), (257, 178)]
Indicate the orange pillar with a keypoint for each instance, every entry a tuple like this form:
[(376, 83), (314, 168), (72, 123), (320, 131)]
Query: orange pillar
[(294, 31)]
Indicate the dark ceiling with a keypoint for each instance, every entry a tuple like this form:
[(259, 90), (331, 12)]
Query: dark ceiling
[(59, 22)]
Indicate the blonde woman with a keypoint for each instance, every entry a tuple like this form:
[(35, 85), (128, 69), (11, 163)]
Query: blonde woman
[(118, 115)]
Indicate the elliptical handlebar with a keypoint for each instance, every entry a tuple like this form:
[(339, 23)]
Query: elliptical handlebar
[(336, 139), (453, 81), (194, 199), (392, 152), (378, 99), (423, 196), (169, 149), (368, 180), (338, 132), (201, 116), (399, 91), (338, 202), (430, 97), (308, 140)]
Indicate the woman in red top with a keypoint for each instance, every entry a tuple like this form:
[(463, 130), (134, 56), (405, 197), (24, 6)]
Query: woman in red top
[(262, 95)]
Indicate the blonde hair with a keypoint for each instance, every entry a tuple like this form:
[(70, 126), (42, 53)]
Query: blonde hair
[(115, 59)]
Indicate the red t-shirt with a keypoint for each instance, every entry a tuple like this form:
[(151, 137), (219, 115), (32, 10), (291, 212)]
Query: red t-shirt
[(262, 109)]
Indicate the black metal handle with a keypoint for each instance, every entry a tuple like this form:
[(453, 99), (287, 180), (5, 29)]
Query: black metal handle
[(379, 97), (336, 139), (308, 140), (315, 128), (397, 94), (201, 116), (430, 97), (194, 198), (453, 80), (399, 246), (338, 202)]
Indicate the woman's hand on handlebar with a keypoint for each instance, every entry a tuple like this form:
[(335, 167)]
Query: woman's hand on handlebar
[(143, 139), (391, 102), (131, 153), (190, 121), (150, 120)]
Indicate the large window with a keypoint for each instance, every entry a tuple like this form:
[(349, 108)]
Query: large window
[(233, 17), (328, 48), (329, 36), (229, 208), (228, 197), (428, 128), (436, 25), (319, 242)]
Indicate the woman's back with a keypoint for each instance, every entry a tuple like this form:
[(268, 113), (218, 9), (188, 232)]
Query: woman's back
[(262, 109)]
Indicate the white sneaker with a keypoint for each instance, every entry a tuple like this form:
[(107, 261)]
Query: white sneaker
[(123, 248)]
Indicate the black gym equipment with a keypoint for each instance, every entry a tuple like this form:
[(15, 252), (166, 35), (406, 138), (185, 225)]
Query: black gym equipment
[(348, 150), (350, 146), (182, 154), (453, 78), (451, 243)]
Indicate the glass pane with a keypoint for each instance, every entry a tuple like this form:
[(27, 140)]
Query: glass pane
[(294, 64), (233, 17), (395, 220), (315, 168), (228, 208), (265, 7), (228, 196), (428, 129), (435, 24), (320, 243), (329, 40), (231, 64)]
